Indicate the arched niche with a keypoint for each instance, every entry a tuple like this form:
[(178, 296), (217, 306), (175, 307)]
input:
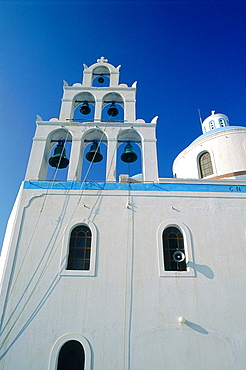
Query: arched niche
[(107, 101), (81, 100), (131, 169), (101, 76), (46, 171), (93, 171)]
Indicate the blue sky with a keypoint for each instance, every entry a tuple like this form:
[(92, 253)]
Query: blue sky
[(186, 55)]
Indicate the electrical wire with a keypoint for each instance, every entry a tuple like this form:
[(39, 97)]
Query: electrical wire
[(53, 181), (50, 257), (28, 246), (48, 262), (129, 280)]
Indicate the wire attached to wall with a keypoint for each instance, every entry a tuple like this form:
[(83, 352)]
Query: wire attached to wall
[(27, 250), (50, 256)]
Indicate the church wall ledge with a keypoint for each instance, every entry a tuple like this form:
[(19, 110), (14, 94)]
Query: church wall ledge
[(168, 186)]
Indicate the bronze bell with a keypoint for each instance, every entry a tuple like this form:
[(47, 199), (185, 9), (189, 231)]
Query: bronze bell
[(85, 109), (94, 154), (59, 159), (113, 111), (129, 155), (100, 79)]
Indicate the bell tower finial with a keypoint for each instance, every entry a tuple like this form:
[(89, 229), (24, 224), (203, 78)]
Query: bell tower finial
[(102, 60)]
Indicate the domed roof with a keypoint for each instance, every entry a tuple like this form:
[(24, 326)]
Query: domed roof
[(214, 121)]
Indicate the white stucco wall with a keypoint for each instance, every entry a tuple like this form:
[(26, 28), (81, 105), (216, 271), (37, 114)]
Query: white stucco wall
[(127, 312)]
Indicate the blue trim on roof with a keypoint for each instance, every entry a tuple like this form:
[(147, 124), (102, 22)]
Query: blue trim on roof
[(91, 185), (210, 132)]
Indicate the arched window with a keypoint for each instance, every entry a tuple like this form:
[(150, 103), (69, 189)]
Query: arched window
[(212, 125), (222, 122), (71, 356), (205, 165), (79, 248), (173, 249)]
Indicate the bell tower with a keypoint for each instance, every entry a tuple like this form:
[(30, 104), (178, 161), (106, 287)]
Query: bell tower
[(70, 239), (99, 111)]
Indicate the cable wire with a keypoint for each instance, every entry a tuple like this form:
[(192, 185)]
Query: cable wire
[(50, 256)]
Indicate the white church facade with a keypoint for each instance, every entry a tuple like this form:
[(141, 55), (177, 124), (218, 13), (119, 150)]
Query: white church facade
[(126, 273)]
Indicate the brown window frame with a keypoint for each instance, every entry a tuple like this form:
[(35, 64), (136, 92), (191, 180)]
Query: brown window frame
[(205, 165), (172, 241), (79, 248)]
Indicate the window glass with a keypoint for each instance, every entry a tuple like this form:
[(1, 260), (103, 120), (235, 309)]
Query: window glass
[(212, 125), (205, 164), (71, 356), (222, 122), (79, 249), (173, 241)]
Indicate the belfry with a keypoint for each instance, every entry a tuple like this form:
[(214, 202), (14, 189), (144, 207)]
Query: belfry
[(100, 111), (125, 270)]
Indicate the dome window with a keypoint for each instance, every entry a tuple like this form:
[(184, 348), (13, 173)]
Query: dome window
[(222, 122), (212, 125)]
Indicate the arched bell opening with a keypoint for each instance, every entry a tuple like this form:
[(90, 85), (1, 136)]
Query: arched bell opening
[(101, 77), (56, 156), (94, 156), (112, 108), (84, 107), (129, 156)]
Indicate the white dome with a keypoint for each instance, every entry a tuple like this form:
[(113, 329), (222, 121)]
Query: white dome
[(219, 153), (216, 120)]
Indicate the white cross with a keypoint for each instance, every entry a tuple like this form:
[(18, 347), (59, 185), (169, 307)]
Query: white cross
[(102, 60)]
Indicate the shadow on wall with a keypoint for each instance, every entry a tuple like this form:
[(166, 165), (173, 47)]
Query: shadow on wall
[(196, 327), (203, 269)]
